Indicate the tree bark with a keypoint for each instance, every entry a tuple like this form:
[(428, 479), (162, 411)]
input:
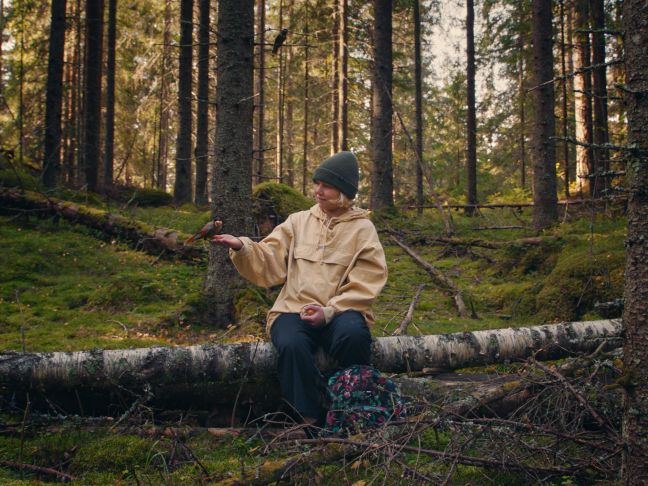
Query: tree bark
[(92, 95), (545, 209), (471, 121), (109, 138), (582, 98), (182, 187), (381, 107), (306, 106), (635, 316), (163, 129), (213, 374), (232, 164), (599, 95), (418, 81), (202, 118), (344, 71), (54, 98), (335, 92), (259, 145), (563, 86)]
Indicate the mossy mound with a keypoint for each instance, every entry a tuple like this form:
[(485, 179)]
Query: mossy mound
[(138, 196), (115, 454), (273, 203), (128, 290), (583, 275)]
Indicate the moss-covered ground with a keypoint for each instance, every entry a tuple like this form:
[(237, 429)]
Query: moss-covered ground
[(63, 288)]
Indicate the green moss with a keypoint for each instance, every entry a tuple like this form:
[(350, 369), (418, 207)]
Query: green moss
[(280, 198), (116, 453)]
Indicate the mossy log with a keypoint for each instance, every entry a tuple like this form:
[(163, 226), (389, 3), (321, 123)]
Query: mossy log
[(152, 240), (212, 375)]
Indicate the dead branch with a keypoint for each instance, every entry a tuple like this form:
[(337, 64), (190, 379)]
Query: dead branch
[(438, 276), (37, 469), (402, 329)]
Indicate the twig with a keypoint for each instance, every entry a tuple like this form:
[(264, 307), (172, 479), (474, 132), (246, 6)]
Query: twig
[(577, 72), (38, 469), (402, 329), (148, 394), (238, 393)]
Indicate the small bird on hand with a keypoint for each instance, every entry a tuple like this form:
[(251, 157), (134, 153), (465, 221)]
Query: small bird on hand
[(279, 40), (210, 229)]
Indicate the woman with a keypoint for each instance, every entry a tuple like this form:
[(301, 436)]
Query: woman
[(332, 267)]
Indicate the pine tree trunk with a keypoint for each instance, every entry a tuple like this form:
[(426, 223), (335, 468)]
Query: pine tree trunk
[(306, 105), (79, 167), (335, 91), (545, 209), (259, 145), (599, 94), (381, 107), (582, 98), (344, 72), (563, 85), (2, 22), (163, 130), (279, 134), (109, 137), (202, 119), (522, 96), (418, 80), (232, 164), (635, 316), (54, 98), (92, 97), (182, 187), (471, 122)]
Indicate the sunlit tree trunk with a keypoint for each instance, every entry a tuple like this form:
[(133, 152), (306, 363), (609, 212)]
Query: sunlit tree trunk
[(54, 97), (381, 107), (471, 122), (344, 71), (259, 145), (306, 105), (599, 95), (202, 118), (635, 315), (182, 187), (582, 98), (563, 86), (335, 92), (279, 151), (543, 153), (418, 80), (231, 189), (92, 97), (163, 129), (109, 137)]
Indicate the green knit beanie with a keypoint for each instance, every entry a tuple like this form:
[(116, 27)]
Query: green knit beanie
[(340, 171)]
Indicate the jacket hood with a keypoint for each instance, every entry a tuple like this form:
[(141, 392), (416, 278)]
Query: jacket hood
[(351, 214)]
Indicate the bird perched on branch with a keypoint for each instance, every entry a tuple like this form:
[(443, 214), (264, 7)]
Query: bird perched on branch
[(279, 40), (210, 229)]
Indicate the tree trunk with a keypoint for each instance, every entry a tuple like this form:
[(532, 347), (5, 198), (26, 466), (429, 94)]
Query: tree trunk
[(418, 80), (54, 99), (635, 316), (163, 130), (381, 107), (259, 145), (210, 375), (545, 209), (182, 187), (279, 134), (335, 91), (563, 86), (202, 119), (344, 71), (306, 106), (582, 98), (79, 170), (232, 164), (109, 140), (471, 122), (599, 95), (2, 24), (92, 96)]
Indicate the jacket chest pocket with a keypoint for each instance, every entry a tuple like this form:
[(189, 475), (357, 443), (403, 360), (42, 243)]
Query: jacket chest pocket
[(328, 255)]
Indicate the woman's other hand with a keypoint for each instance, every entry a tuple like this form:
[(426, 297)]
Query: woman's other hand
[(313, 314), (228, 240)]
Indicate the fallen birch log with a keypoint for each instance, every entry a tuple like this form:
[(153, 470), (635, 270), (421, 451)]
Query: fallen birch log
[(211, 374), (144, 237)]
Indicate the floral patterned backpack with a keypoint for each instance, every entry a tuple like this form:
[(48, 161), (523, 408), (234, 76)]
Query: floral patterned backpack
[(360, 398)]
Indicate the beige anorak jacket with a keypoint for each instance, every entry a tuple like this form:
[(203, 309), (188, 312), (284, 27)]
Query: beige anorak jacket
[(337, 263)]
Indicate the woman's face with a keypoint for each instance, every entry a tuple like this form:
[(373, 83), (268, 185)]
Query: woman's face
[(327, 198)]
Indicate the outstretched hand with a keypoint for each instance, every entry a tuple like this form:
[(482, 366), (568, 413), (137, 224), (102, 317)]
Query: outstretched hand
[(313, 314), (228, 240)]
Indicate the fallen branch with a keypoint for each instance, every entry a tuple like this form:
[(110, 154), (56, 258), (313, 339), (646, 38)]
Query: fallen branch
[(402, 329), (37, 469), (438, 276), (492, 245)]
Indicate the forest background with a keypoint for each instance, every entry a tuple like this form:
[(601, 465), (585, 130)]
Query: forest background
[(132, 113)]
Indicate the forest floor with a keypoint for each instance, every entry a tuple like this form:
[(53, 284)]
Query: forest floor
[(64, 287)]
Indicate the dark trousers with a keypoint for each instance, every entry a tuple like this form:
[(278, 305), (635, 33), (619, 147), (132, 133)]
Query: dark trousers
[(346, 338)]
